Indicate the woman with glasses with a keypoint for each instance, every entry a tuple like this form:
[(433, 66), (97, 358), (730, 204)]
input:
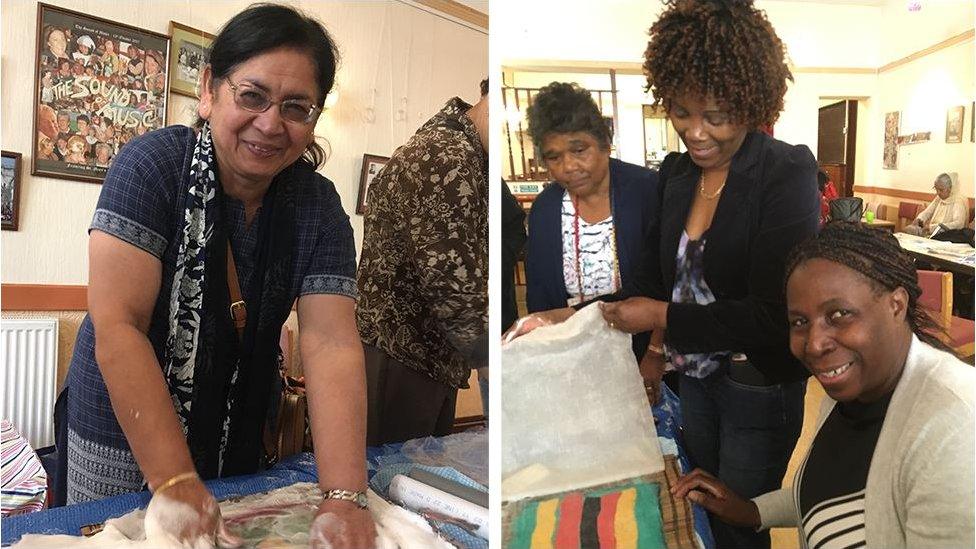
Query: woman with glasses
[(202, 240)]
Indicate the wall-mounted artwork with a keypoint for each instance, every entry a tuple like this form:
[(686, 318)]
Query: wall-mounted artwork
[(190, 49), (9, 190), (891, 127), (99, 84), (372, 164), (954, 120)]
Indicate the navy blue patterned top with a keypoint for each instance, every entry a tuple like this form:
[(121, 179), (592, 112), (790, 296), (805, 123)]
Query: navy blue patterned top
[(690, 287), (141, 203)]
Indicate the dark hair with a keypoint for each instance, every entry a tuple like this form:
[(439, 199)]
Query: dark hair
[(484, 87), (84, 117), (726, 49), (562, 107), (822, 180), (874, 253), (264, 27)]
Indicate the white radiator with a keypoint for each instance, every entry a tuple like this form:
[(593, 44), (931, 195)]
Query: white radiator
[(29, 351)]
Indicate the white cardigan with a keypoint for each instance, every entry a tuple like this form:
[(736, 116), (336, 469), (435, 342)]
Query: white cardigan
[(920, 484)]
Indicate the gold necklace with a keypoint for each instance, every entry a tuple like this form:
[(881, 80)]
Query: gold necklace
[(706, 196)]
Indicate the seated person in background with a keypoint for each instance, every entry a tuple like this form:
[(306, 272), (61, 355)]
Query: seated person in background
[(948, 210), (892, 461), (827, 193), (586, 232)]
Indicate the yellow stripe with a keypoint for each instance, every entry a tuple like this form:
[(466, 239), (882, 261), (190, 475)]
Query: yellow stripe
[(624, 525), (545, 524)]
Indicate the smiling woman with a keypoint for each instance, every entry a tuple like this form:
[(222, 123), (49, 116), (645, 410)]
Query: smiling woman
[(892, 462), (201, 243)]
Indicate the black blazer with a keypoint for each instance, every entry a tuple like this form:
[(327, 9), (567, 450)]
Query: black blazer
[(769, 204)]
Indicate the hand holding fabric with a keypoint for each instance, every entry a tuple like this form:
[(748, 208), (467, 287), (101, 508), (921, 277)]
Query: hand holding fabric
[(528, 323), (341, 525), (636, 314), (712, 494), (188, 514)]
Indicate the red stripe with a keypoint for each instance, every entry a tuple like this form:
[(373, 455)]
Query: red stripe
[(569, 517), (604, 522)]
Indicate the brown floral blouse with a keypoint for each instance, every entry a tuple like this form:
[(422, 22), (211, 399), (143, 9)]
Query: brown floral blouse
[(423, 272)]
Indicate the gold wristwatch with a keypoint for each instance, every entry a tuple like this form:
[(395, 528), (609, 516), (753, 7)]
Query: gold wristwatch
[(359, 498)]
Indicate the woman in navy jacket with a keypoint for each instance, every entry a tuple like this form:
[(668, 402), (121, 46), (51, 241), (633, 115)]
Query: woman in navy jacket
[(615, 200)]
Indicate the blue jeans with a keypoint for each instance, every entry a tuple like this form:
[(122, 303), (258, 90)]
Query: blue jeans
[(744, 435)]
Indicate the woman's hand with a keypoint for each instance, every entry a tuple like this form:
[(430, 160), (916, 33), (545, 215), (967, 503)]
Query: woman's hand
[(188, 513), (341, 524), (636, 314), (652, 371), (528, 323), (712, 494)]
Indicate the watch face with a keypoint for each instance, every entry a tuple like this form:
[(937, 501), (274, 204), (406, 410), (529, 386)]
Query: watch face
[(361, 500)]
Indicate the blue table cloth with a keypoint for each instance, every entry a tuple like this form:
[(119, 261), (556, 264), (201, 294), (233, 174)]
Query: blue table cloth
[(299, 468)]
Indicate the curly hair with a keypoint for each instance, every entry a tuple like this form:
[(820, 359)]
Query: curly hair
[(564, 107), (874, 253), (725, 49)]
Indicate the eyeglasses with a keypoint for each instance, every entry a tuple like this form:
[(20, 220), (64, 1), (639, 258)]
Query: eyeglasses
[(254, 99)]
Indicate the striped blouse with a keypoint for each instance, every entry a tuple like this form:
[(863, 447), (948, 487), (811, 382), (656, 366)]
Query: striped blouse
[(24, 482), (830, 485)]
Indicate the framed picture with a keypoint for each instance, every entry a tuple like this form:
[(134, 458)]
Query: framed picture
[(190, 50), (892, 124), (9, 190), (372, 164), (98, 84), (954, 119)]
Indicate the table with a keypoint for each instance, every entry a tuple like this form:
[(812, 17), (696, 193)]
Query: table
[(958, 258), (301, 468)]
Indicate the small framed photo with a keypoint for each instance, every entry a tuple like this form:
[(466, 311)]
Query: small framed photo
[(954, 119), (190, 52), (10, 190), (372, 164)]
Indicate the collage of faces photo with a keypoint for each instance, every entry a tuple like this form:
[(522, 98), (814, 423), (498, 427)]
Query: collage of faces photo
[(98, 89)]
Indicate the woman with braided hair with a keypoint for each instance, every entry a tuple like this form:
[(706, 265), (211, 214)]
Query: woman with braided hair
[(892, 462)]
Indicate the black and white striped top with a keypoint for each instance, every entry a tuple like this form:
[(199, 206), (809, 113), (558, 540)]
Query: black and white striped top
[(830, 485)]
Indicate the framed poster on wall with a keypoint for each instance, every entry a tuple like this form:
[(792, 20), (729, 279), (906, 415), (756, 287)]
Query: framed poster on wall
[(10, 190), (98, 84), (892, 124)]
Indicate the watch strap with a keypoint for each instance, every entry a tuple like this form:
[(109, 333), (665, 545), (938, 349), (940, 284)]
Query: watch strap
[(358, 498)]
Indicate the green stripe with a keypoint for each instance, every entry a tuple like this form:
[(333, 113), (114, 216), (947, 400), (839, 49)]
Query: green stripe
[(523, 526), (647, 512)]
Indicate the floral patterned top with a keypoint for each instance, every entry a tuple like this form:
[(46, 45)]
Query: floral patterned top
[(423, 272), (690, 287)]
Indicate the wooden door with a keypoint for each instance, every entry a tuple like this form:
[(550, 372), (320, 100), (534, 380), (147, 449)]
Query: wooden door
[(836, 141)]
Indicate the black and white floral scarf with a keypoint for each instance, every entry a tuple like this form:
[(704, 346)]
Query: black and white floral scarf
[(223, 387)]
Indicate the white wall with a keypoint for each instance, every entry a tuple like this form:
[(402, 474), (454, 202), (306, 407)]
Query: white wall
[(393, 55)]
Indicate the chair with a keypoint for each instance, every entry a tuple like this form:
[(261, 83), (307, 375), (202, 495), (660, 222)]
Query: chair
[(936, 298), (907, 212), (848, 208)]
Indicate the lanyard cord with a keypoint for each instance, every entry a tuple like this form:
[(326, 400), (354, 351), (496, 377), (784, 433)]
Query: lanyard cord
[(576, 247)]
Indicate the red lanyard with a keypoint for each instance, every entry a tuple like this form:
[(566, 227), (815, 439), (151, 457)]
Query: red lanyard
[(576, 249)]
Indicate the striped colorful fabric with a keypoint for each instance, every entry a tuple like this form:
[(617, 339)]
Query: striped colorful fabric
[(23, 482), (622, 517)]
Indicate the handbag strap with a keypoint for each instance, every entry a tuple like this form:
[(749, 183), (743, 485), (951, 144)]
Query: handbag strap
[(238, 308)]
